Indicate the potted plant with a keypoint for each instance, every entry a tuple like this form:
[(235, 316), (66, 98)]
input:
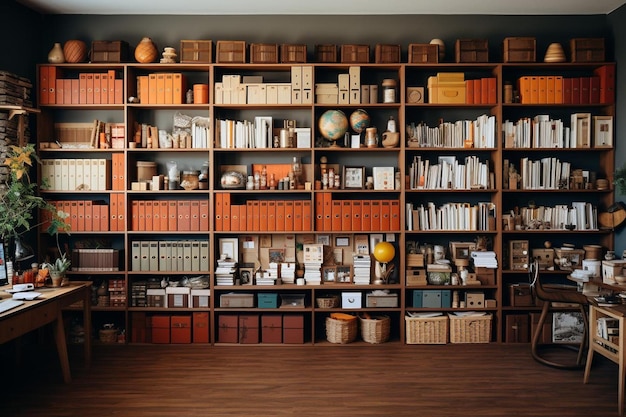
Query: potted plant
[(57, 269)]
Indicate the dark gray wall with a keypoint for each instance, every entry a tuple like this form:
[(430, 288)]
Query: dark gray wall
[(20, 32)]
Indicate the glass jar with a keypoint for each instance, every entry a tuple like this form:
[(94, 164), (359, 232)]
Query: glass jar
[(204, 176), (389, 90), (173, 175), (190, 180)]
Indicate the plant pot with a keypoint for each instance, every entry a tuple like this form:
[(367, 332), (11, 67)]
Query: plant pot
[(57, 278)]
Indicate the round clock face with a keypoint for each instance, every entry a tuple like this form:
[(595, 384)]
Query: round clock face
[(415, 96)]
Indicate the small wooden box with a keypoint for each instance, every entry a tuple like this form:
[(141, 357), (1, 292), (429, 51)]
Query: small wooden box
[(471, 50), (415, 260), (423, 53), (196, 51), (486, 276), (230, 52), (545, 257), (388, 300), (263, 53), (520, 295), (109, 51), (293, 328), (355, 54), (387, 54), (292, 54), (326, 53), (520, 49), (587, 49), (416, 277)]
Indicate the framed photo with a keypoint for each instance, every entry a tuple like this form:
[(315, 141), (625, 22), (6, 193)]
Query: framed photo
[(323, 240), (342, 241), (329, 274), (229, 248), (344, 274), (361, 244), (277, 255), (602, 131), (353, 178), (384, 178), (567, 327), (246, 276), (375, 238), (461, 250)]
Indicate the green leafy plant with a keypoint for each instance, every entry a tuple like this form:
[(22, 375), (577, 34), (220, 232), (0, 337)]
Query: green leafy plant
[(619, 179)]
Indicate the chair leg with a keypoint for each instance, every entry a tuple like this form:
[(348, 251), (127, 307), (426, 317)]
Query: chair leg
[(583, 343), (539, 331)]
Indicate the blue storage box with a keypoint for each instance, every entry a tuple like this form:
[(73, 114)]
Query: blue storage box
[(432, 299), (267, 300)]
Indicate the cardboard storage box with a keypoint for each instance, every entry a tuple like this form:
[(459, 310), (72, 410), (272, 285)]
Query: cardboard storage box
[(416, 277), (237, 300), (228, 328), (200, 297), (200, 330), (432, 299), (293, 328), (177, 297), (155, 297), (520, 49), (196, 51), (351, 300), (271, 328), (520, 295), (160, 328), (249, 328), (447, 88), (388, 300), (545, 257), (587, 49), (180, 329), (517, 328), (267, 300), (109, 51), (474, 299)]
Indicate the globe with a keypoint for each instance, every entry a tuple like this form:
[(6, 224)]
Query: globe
[(384, 252), (359, 120), (333, 124)]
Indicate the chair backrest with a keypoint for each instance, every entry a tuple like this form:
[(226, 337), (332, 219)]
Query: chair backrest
[(553, 292)]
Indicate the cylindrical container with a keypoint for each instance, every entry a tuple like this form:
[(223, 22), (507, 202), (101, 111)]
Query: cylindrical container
[(389, 90), (594, 266), (284, 138), (200, 93), (508, 93), (593, 252), (190, 180), (146, 170)]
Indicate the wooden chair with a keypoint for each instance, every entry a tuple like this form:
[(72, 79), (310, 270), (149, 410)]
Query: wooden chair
[(554, 293)]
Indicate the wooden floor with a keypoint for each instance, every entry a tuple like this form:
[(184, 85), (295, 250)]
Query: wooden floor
[(322, 380)]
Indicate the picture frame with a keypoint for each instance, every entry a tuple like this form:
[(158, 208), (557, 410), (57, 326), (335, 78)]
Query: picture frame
[(341, 241), (229, 247), (602, 131), (344, 274), (567, 327), (461, 250), (246, 276), (329, 274), (353, 178), (277, 255), (384, 178), (323, 240)]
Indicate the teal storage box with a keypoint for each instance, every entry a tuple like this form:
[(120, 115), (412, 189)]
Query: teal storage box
[(432, 299), (417, 298), (267, 300)]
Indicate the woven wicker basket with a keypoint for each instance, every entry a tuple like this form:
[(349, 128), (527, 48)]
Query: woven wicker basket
[(327, 302), (470, 329), (375, 329), (426, 330), (341, 331)]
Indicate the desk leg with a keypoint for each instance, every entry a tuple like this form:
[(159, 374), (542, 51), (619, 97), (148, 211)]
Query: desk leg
[(87, 325), (593, 323), (59, 337), (622, 371)]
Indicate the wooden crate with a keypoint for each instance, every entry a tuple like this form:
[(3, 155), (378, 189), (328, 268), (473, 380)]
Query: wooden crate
[(109, 51), (422, 53), (326, 53), (587, 49), (355, 54), (518, 49), (196, 51), (471, 50), (263, 53), (387, 54), (292, 54), (230, 52), (426, 330)]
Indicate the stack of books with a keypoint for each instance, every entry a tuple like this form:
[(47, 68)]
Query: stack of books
[(225, 272), (485, 259), (362, 269)]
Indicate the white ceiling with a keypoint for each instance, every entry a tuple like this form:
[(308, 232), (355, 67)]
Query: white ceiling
[(325, 7)]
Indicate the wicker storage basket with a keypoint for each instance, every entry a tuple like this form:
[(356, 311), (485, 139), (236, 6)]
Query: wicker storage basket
[(470, 329), (426, 330), (341, 330), (375, 329), (332, 301)]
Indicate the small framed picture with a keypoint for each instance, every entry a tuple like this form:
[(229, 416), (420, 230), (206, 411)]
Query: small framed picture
[(344, 274), (229, 248), (277, 255), (342, 241), (246, 276), (323, 240), (602, 131), (329, 274), (353, 178)]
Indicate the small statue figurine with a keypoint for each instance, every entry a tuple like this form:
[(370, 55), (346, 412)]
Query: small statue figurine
[(514, 178)]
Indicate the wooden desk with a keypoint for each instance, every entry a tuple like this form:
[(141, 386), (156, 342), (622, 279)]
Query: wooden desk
[(48, 308)]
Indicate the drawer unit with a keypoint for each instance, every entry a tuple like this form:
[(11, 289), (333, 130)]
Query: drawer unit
[(351, 300)]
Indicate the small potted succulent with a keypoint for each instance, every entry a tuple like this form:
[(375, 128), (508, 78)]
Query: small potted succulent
[(57, 270)]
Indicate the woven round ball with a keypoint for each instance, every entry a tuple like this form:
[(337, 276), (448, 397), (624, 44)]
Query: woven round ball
[(146, 51), (75, 51)]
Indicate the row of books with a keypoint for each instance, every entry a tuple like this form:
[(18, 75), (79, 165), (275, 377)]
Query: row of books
[(96, 259), (88, 88), (162, 88), (271, 215), (356, 215), (451, 216), (578, 215), (170, 215), (479, 133), (449, 174), (90, 215), (547, 173), (584, 131), (76, 174), (256, 134), (170, 255)]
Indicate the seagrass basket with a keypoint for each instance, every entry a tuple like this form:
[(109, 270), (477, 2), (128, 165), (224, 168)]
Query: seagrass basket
[(426, 330), (341, 330), (332, 301), (375, 329), (470, 329)]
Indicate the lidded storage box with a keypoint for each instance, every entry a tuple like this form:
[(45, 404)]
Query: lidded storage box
[(471, 50), (230, 52), (109, 51), (587, 49), (387, 54), (326, 53), (423, 53), (519, 49), (292, 54), (263, 53), (448, 88), (196, 51), (355, 54)]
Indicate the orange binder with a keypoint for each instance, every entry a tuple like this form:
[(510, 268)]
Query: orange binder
[(119, 92), (575, 90), (375, 215), (169, 88), (558, 89), (96, 88), (366, 211), (111, 87), (104, 217), (141, 216), (542, 88), (297, 215), (271, 215), (179, 88), (75, 94), (219, 210), (319, 212), (89, 98), (357, 222), (243, 217), (195, 215), (134, 215), (52, 80), (43, 84), (336, 215), (328, 198), (469, 91), (160, 88), (58, 91), (95, 218), (80, 215), (289, 216), (550, 89), (226, 211), (395, 215), (607, 83), (484, 90), (82, 88), (88, 216), (152, 89), (67, 91), (534, 90), (249, 215), (256, 216), (307, 215), (149, 211), (104, 88), (204, 216), (524, 89), (161, 207), (346, 215), (172, 215), (184, 215), (113, 213), (385, 215), (121, 212), (492, 90), (156, 215), (263, 215), (477, 91), (234, 218)]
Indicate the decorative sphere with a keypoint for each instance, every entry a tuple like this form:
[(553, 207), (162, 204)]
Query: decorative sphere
[(145, 51), (359, 120), (384, 252), (333, 124), (75, 50)]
